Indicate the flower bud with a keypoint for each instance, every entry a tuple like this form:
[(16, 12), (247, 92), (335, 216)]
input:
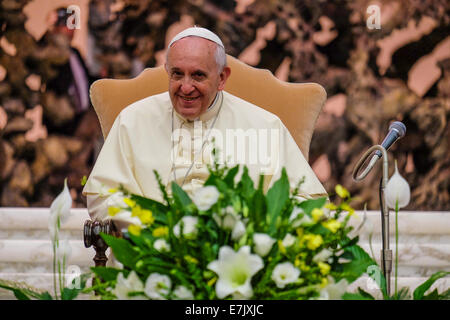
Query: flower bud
[(397, 189)]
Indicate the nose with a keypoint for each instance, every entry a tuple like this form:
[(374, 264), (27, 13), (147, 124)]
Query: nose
[(186, 86)]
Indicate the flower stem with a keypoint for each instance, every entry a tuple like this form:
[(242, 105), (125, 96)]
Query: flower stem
[(54, 270), (396, 246)]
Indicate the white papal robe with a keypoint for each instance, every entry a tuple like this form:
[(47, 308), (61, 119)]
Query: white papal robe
[(149, 135)]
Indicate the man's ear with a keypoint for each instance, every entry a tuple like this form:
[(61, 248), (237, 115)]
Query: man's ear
[(223, 77)]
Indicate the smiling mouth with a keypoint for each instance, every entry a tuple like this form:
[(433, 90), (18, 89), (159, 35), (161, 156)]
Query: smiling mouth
[(188, 98)]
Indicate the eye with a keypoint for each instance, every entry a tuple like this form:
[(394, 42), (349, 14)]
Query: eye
[(176, 74), (199, 75)]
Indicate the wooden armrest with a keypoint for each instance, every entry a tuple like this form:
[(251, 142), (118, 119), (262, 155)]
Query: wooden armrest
[(91, 236)]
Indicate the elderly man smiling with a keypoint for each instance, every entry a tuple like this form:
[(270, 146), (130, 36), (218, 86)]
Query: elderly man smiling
[(174, 132)]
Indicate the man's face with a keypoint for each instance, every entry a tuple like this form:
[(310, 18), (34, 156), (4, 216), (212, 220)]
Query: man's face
[(194, 78)]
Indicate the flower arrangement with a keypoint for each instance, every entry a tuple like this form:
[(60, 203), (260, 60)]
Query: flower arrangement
[(231, 241)]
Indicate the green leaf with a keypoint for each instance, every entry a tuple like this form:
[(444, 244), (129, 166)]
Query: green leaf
[(357, 296), (20, 292), (246, 186), (123, 250), (69, 294), (361, 261), (365, 294), (402, 294), (221, 186), (20, 295), (309, 205), (420, 290), (181, 197), (229, 178), (433, 295), (258, 210), (444, 295), (45, 296), (276, 199), (107, 273)]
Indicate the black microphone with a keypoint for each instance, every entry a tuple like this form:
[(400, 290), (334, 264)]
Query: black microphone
[(396, 131)]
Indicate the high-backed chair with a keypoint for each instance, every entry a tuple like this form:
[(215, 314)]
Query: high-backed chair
[(297, 104)]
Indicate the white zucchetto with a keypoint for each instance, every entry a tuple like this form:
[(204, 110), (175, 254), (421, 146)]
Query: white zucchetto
[(197, 32)]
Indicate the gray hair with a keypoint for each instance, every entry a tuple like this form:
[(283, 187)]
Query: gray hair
[(220, 56)]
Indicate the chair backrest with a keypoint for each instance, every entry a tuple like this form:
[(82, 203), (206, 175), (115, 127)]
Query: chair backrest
[(297, 104)]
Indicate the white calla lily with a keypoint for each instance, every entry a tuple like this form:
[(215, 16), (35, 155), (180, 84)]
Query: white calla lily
[(397, 189), (59, 211), (235, 271)]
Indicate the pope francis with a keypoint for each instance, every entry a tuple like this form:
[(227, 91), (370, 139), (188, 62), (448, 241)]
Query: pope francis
[(175, 132)]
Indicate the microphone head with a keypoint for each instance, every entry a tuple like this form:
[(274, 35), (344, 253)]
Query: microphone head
[(399, 127)]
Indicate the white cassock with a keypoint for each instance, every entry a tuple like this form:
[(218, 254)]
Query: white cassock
[(149, 135)]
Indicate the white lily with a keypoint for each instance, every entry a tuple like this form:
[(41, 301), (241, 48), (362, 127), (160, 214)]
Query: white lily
[(127, 285), (157, 285), (205, 197), (235, 271), (288, 240), (227, 221), (189, 227), (334, 291), (124, 216), (238, 231), (116, 200), (161, 245), (305, 219), (263, 243), (397, 189), (322, 256), (59, 211), (183, 293), (285, 273)]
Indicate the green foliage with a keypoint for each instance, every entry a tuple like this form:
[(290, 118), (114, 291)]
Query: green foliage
[(189, 255), (123, 250), (358, 265), (276, 200), (419, 293)]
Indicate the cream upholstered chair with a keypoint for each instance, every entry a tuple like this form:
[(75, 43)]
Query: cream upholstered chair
[(297, 105)]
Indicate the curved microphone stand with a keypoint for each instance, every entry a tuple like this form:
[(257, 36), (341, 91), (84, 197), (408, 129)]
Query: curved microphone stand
[(386, 253)]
